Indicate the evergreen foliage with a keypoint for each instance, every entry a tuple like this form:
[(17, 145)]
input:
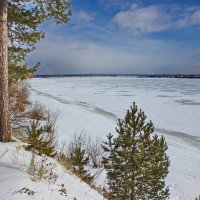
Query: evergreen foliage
[(137, 163), (39, 140), (78, 160), (24, 19), (20, 22)]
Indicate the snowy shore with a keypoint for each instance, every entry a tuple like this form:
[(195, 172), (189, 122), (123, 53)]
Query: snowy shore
[(93, 105)]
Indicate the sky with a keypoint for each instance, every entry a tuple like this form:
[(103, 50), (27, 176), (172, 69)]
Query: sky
[(123, 37)]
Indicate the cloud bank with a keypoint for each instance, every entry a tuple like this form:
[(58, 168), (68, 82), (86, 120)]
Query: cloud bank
[(70, 55), (156, 18)]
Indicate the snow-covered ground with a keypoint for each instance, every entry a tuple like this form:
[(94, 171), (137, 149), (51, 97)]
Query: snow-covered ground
[(16, 183), (93, 104)]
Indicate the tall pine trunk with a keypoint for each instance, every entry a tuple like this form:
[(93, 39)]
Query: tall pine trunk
[(5, 131)]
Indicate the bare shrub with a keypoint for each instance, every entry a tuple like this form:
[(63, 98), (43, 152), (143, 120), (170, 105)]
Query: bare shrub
[(38, 111), (95, 151), (50, 123), (78, 140), (42, 169), (18, 104)]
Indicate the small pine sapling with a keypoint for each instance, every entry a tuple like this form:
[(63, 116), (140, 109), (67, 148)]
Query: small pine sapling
[(79, 160), (39, 140)]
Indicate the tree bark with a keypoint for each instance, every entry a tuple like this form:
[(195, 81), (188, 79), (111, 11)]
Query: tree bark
[(5, 130)]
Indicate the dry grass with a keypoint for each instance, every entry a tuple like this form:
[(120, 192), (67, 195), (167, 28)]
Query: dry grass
[(18, 104), (63, 158), (42, 169), (38, 111), (95, 151), (65, 162), (51, 118)]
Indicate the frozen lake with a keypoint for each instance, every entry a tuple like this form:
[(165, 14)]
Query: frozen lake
[(93, 105)]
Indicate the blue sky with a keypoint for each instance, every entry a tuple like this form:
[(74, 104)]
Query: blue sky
[(123, 36)]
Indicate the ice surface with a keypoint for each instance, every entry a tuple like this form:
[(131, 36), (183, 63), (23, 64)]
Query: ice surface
[(93, 105)]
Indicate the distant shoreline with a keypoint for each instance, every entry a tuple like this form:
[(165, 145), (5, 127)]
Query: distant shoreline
[(188, 76)]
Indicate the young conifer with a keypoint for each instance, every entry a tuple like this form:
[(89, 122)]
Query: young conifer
[(79, 160), (38, 140), (137, 163)]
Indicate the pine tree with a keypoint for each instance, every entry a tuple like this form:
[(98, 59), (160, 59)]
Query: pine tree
[(38, 140), (19, 23), (24, 19), (78, 160), (5, 131), (137, 163)]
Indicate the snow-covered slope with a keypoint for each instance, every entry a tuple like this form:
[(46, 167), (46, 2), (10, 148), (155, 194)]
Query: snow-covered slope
[(92, 105), (16, 183)]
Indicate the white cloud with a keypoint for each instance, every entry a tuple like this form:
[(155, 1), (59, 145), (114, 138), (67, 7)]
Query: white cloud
[(196, 17), (120, 4), (83, 15), (156, 18)]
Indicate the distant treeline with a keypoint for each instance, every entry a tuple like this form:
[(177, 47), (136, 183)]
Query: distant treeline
[(192, 76)]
